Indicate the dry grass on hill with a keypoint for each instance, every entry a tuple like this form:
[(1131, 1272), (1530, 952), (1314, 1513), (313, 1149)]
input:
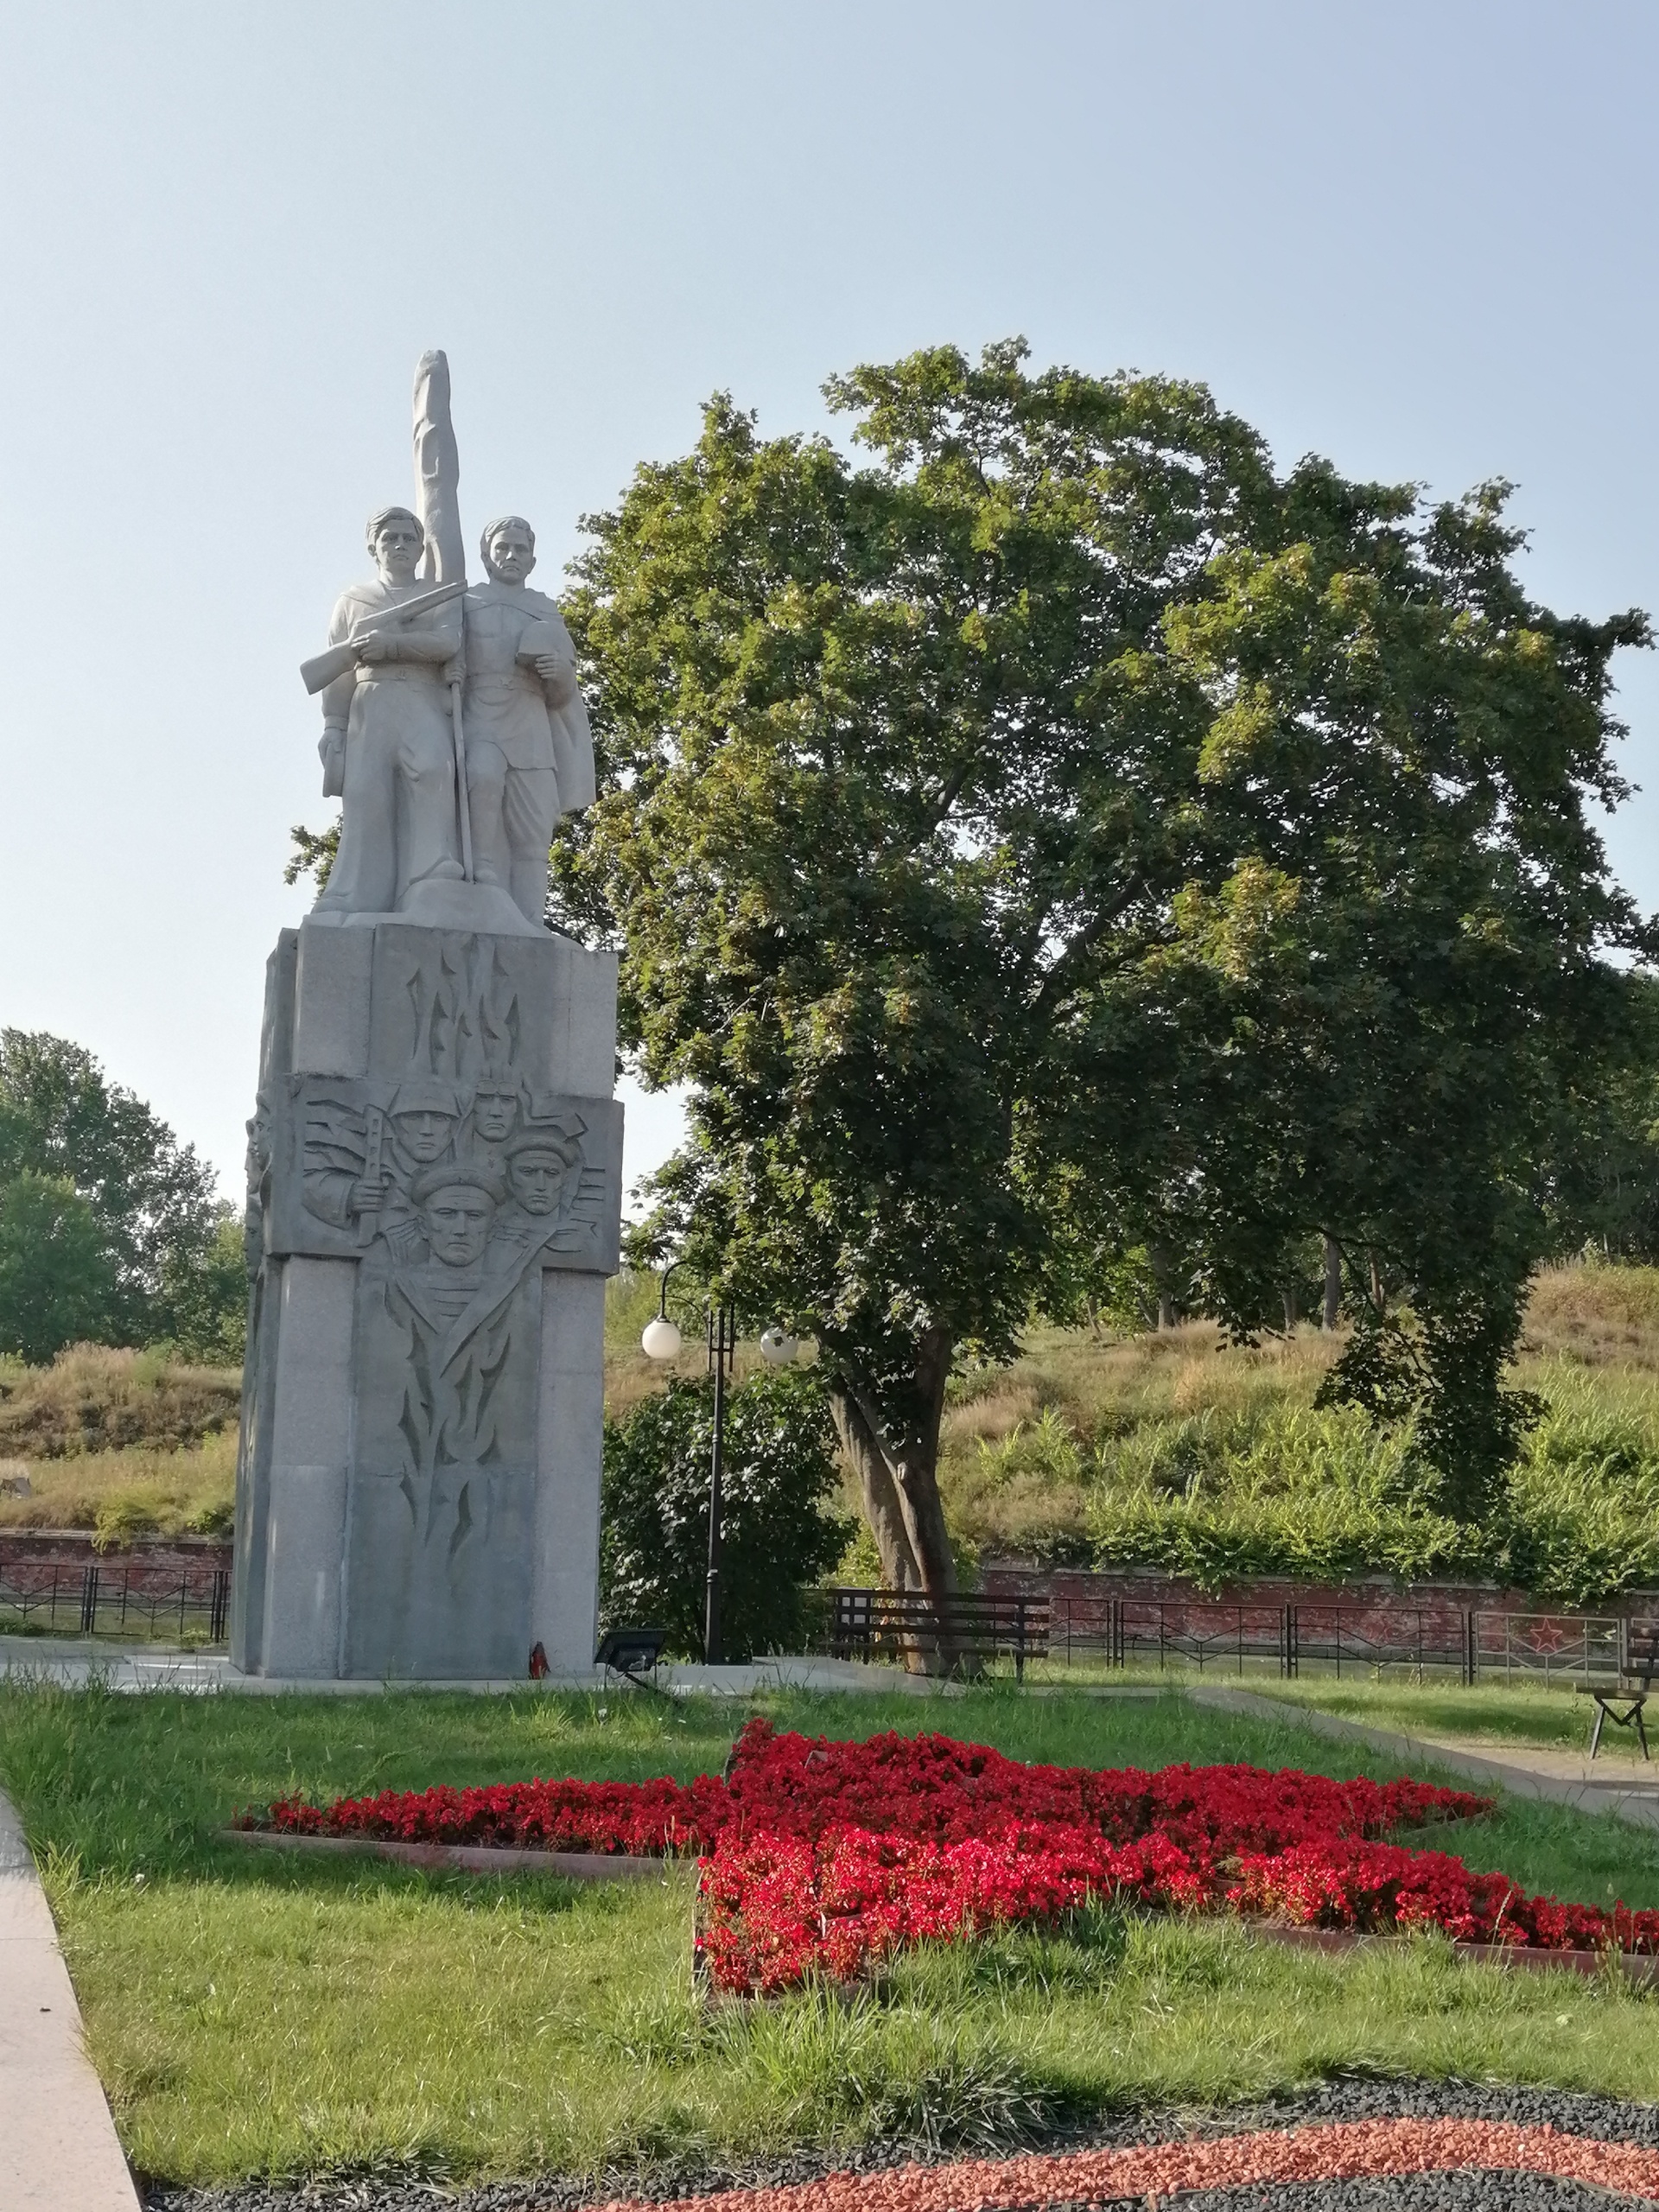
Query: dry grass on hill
[(125, 1443), (95, 1399), (122, 1495)]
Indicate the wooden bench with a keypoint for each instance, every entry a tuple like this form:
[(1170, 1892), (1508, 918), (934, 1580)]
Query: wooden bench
[(1635, 1685), (970, 1625)]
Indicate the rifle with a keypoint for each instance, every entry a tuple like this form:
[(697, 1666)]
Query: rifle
[(319, 672)]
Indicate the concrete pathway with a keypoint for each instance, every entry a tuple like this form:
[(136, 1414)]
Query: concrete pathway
[(75, 1664), (1622, 1792), (58, 2147)]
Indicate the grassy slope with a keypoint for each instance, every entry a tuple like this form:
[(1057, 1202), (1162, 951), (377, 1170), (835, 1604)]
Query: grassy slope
[(1175, 1449), (252, 2013), (122, 1442)]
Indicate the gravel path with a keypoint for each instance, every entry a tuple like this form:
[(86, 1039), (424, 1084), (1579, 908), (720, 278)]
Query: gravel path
[(1277, 2153)]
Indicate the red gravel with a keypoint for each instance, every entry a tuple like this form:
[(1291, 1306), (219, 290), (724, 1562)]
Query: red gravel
[(1349, 2152)]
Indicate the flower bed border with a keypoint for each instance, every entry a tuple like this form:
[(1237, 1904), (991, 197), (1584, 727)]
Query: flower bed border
[(1641, 1967), (461, 1857)]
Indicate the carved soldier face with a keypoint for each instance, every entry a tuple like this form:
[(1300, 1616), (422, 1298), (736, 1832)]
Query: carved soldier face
[(510, 553), (422, 1135), (494, 1113), (398, 548), (457, 1220), (537, 1178)]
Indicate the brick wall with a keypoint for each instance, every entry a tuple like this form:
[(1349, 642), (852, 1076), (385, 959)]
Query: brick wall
[(1373, 1606)]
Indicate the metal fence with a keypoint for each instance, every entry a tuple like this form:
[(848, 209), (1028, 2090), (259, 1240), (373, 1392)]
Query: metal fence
[(1097, 1632), (1358, 1639), (135, 1602)]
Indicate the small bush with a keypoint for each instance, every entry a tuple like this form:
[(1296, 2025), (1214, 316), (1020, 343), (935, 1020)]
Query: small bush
[(779, 1533)]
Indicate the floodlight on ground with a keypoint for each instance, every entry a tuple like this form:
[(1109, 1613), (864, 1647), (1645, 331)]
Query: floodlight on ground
[(630, 1651), (778, 1347)]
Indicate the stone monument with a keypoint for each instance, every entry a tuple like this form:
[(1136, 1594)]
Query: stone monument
[(434, 1160)]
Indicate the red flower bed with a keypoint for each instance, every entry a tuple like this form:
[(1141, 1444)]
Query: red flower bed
[(830, 1856), (919, 1786)]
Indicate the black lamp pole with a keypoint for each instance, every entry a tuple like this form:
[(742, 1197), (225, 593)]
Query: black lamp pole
[(723, 1342)]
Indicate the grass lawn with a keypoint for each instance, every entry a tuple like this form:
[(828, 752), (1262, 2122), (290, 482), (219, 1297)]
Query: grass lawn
[(1520, 1714), (253, 2013)]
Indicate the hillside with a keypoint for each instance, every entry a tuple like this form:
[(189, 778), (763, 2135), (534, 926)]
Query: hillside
[(1173, 1450), (1169, 1449)]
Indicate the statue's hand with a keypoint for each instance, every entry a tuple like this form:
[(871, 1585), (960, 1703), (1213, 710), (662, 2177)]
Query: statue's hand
[(370, 1193), (559, 674), (372, 650), (331, 749)]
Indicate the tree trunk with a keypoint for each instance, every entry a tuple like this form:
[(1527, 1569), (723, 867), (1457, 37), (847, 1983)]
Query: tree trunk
[(1293, 1309), (1158, 1257), (1332, 1312), (896, 1456)]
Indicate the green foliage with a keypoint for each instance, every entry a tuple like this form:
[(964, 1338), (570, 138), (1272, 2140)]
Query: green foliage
[(1607, 1193), (56, 1277), (205, 1294), (778, 1534), (1060, 837), (313, 855), (142, 1252)]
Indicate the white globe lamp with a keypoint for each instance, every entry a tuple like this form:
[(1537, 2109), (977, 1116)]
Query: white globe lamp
[(778, 1347), (661, 1340)]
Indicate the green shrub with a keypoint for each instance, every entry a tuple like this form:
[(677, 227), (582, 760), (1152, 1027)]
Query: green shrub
[(778, 1531)]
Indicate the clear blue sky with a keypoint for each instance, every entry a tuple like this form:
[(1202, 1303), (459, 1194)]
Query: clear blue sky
[(1418, 238)]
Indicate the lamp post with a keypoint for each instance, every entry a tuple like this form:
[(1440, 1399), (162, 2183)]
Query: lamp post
[(662, 1340), (722, 1344)]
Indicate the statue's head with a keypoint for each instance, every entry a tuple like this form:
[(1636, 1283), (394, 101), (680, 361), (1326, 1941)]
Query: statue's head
[(424, 1114), (537, 1166), (396, 541), (508, 546), (495, 1107), (457, 1206)]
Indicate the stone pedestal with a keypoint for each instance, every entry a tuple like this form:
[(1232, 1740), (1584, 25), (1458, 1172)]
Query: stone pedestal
[(435, 1184)]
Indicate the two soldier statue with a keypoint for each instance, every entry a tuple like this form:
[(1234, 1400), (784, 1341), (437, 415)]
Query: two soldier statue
[(454, 732)]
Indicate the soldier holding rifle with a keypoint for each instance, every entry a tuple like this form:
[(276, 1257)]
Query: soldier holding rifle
[(388, 748)]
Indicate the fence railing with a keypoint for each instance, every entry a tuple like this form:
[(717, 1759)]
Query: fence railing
[(137, 1602), (1363, 1639), (142, 1602), (1134, 1632)]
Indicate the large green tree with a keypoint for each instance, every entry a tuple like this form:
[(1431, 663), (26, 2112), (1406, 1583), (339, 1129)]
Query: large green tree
[(56, 1278), (160, 1255), (1057, 833)]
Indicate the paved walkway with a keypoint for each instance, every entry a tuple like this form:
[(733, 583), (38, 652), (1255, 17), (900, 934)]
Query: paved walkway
[(1625, 1792), (57, 2148), (74, 1664)]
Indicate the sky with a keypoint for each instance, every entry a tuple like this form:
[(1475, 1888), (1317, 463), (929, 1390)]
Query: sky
[(1420, 239)]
